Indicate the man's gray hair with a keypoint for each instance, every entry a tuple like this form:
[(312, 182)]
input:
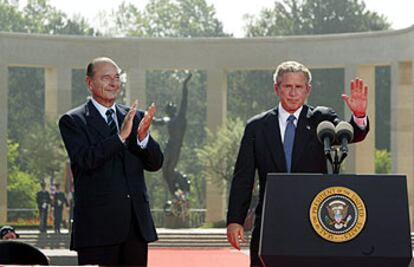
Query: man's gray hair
[(291, 66), (90, 69)]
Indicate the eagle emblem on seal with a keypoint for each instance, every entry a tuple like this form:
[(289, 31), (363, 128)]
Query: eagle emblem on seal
[(337, 211)]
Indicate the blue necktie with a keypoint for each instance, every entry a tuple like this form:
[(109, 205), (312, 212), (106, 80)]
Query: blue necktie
[(110, 121), (288, 140)]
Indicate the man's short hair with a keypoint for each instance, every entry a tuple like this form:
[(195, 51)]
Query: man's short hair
[(90, 69), (291, 66)]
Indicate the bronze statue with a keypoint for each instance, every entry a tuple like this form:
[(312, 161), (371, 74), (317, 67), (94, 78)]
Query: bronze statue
[(178, 182)]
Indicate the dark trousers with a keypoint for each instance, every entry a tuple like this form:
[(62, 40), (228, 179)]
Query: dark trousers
[(57, 218), (132, 252), (254, 244), (43, 220)]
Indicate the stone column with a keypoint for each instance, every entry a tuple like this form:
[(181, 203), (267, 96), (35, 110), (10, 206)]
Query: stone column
[(4, 77), (58, 91), (135, 87), (361, 158), (402, 124), (216, 114)]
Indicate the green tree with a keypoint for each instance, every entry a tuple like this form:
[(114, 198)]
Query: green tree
[(382, 161), (44, 145), (38, 16), (11, 18), (217, 156), (22, 186), (80, 92), (301, 17), (26, 101), (249, 93), (167, 18)]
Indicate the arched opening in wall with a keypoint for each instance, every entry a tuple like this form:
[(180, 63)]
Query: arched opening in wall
[(26, 100), (26, 124), (249, 93), (80, 91), (166, 90), (327, 88)]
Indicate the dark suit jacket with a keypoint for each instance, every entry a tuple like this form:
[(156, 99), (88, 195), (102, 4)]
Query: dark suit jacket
[(41, 198), (108, 178), (261, 149), (59, 200)]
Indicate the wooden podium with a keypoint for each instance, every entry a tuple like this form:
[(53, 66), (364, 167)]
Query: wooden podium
[(335, 220)]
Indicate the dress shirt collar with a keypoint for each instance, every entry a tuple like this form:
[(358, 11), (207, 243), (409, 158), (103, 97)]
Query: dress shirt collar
[(283, 114), (102, 109)]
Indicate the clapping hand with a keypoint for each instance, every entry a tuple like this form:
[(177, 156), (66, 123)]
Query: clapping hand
[(126, 126), (145, 123)]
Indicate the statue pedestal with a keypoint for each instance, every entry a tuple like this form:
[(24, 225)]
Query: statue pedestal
[(176, 222)]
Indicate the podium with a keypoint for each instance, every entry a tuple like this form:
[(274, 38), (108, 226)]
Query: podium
[(335, 220)]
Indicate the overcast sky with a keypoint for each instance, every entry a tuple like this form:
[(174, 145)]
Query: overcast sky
[(230, 12)]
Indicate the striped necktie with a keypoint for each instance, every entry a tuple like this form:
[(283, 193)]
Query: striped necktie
[(288, 141), (110, 121)]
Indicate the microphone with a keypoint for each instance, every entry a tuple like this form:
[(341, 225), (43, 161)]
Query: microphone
[(344, 135), (326, 135)]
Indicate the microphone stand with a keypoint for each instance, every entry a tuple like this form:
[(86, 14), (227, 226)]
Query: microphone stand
[(334, 159), (337, 164), (338, 158), (329, 162)]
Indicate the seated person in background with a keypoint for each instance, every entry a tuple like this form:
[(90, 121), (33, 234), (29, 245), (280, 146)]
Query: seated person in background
[(15, 252), (7, 232)]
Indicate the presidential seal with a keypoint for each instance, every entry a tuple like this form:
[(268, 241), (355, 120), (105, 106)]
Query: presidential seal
[(337, 214)]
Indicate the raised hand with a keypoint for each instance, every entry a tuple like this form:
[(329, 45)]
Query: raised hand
[(358, 101), (145, 123)]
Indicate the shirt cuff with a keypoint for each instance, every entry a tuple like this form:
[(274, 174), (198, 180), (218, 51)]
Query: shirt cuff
[(361, 122), (143, 143)]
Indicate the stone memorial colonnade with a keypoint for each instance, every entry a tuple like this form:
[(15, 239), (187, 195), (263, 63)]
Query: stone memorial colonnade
[(356, 53)]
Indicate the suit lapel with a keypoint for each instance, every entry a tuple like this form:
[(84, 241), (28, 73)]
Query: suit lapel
[(95, 120), (272, 133), (120, 114), (302, 136)]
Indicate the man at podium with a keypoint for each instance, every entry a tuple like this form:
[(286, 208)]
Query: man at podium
[(284, 140)]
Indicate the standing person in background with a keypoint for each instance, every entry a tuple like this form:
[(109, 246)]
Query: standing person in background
[(43, 201), (109, 147), (284, 140), (59, 200)]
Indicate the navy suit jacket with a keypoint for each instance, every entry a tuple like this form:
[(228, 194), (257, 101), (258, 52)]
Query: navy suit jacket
[(108, 178), (261, 150)]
